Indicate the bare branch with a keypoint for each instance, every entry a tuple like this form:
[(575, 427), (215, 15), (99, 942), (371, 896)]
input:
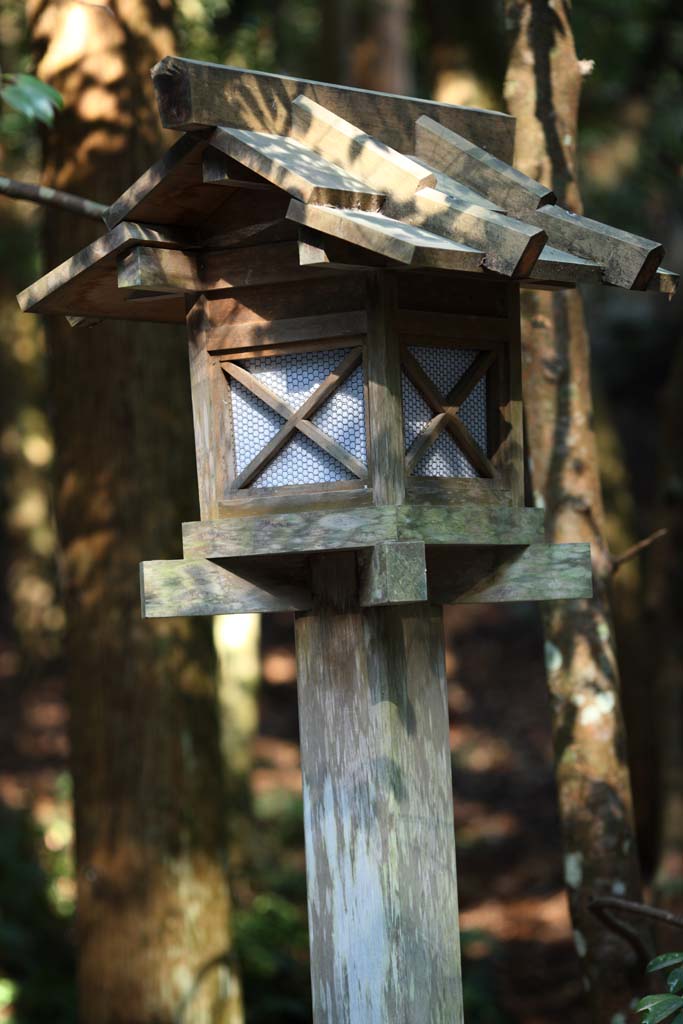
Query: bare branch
[(635, 549), (639, 909), (52, 197)]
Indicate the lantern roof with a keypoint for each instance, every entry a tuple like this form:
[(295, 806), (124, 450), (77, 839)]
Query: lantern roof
[(275, 178)]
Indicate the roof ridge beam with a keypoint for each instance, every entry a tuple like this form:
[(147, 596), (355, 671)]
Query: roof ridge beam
[(359, 154), (457, 157)]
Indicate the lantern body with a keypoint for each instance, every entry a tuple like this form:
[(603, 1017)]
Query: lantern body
[(370, 388)]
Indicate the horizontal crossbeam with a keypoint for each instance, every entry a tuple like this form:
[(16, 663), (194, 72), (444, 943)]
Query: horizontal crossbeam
[(390, 573)]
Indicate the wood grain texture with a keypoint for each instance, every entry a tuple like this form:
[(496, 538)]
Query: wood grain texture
[(302, 328), (454, 326), (460, 158), (486, 525), (387, 575), (297, 169), (628, 260), (511, 246), (158, 270), (389, 237), (384, 405), (456, 493), (285, 532), (507, 418), (203, 587), (85, 285), (194, 93), (211, 416), (539, 572), (146, 199), (378, 813), (304, 498), (358, 153), (394, 572)]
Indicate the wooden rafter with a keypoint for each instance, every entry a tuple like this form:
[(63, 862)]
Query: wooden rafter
[(447, 411), (297, 419)]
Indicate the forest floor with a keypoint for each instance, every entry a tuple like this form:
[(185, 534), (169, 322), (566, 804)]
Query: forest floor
[(519, 961)]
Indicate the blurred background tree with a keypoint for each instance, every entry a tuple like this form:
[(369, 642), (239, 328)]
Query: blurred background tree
[(520, 964)]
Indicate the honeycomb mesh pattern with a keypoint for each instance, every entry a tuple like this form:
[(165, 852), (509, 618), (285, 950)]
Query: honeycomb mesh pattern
[(444, 367), (294, 378)]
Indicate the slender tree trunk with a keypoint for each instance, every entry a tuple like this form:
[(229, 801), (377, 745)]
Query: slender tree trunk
[(153, 919), (383, 58), (542, 90)]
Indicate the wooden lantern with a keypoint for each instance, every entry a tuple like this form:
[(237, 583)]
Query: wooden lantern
[(348, 265)]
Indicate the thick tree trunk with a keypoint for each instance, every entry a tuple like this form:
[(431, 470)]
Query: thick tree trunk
[(668, 604), (153, 914), (542, 91)]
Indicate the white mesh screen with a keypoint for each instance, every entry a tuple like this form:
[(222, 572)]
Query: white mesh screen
[(444, 367), (294, 378), (254, 424)]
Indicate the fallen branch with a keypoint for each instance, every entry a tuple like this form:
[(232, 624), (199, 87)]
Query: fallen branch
[(52, 197), (635, 549)]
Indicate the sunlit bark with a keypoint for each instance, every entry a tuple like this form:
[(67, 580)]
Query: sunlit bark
[(542, 90), (153, 920)]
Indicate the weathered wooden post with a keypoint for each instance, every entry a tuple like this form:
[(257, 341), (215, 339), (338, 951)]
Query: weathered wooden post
[(348, 265)]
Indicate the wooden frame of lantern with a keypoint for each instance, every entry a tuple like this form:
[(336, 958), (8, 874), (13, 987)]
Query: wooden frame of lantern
[(348, 266)]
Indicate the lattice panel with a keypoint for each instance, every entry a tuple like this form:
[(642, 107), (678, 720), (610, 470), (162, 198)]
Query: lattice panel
[(302, 462), (342, 416), (444, 367), (294, 378), (254, 424)]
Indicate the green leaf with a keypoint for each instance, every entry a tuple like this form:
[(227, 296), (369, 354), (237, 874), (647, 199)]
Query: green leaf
[(658, 1008), (29, 96), (41, 88), (674, 981), (660, 963)]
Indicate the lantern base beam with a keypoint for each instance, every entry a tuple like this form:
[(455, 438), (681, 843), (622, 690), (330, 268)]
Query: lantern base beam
[(361, 528), (388, 573)]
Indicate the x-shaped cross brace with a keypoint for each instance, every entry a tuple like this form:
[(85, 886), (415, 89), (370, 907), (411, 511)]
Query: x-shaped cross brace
[(447, 410), (297, 419)]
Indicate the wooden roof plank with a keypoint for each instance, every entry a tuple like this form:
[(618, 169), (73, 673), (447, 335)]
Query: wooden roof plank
[(171, 191), (628, 260), (193, 94), (361, 155), (85, 284), (511, 246), (461, 159), (457, 190), (391, 238), (556, 265), (296, 169)]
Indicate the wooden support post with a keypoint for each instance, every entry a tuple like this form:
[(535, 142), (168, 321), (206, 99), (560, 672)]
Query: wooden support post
[(378, 806)]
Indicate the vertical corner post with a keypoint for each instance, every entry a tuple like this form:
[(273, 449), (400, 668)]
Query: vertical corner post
[(378, 807), (385, 415), (211, 412)]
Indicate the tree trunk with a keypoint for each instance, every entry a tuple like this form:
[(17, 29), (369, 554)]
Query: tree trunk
[(153, 919), (542, 91), (382, 59), (668, 605)]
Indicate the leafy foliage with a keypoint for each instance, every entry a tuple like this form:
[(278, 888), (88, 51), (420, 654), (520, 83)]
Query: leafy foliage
[(26, 94), (659, 1008)]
